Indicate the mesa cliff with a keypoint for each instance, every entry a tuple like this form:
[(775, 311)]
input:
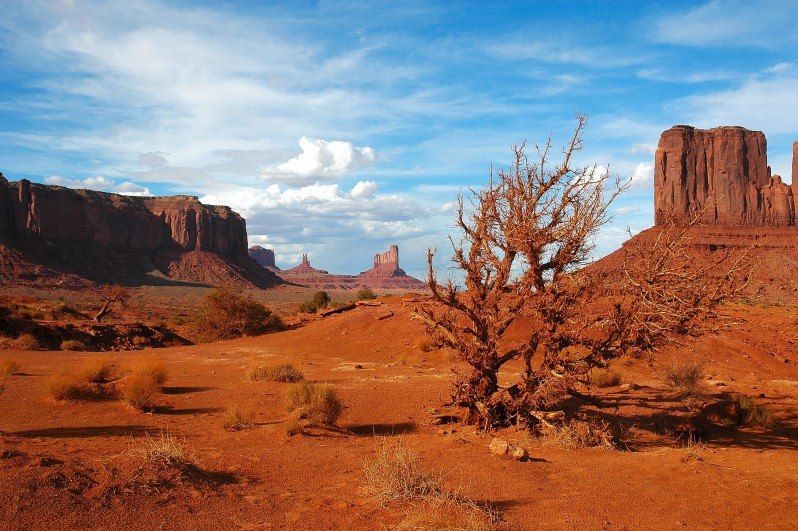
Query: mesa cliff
[(50, 230), (721, 176)]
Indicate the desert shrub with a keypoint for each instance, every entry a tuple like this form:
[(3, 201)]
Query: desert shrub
[(319, 301), (314, 403), (151, 367), (576, 434), (226, 314), (28, 341), (9, 367), (165, 450), (686, 378), (752, 413), (604, 378), (282, 372), (70, 387), (141, 391), (448, 513), (365, 294), (237, 418), (398, 473), (96, 370), (425, 344), (307, 307), (140, 341), (72, 344)]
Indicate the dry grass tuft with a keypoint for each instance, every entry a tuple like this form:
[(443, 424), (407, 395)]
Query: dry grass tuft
[(71, 387), (152, 367), (448, 513), (604, 378), (28, 341), (72, 344), (282, 372), (398, 474), (686, 378), (315, 403), (577, 434), (238, 418), (9, 367), (142, 391), (755, 414), (96, 370), (165, 450)]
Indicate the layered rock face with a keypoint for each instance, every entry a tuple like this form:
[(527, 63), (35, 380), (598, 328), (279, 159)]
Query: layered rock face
[(722, 176), (264, 257), (85, 231)]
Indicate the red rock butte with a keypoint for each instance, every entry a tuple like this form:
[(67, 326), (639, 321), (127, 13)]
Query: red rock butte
[(722, 176), (68, 235), (385, 274)]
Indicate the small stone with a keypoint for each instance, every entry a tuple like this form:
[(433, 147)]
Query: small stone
[(520, 454), (499, 447)]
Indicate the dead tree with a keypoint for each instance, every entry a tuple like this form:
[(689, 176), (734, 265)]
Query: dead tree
[(525, 238), (112, 294)]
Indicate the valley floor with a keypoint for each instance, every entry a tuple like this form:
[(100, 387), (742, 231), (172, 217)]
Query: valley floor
[(67, 465)]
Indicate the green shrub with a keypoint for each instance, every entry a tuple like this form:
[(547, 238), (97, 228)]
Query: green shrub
[(365, 294), (321, 299), (226, 314)]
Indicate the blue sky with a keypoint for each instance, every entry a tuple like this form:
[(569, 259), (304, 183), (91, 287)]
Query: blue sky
[(337, 128)]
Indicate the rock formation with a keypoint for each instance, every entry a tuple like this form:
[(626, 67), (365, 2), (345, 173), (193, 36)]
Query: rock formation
[(264, 257), (386, 274), (112, 237), (749, 210), (721, 175)]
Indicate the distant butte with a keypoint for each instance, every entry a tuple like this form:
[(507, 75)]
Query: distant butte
[(56, 235), (385, 273)]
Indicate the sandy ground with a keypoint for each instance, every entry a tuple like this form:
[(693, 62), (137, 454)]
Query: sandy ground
[(66, 464)]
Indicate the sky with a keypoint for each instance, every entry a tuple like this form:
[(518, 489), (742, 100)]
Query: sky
[(338, 128)]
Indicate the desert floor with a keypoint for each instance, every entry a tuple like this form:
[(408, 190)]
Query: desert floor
[(75, 464)]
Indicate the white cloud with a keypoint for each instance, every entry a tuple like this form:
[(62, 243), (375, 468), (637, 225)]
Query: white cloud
[(100, 183), (643, 175), (767, 103), (153, 160), (364, 189), (321, 160), (318, 211), (730, 22)]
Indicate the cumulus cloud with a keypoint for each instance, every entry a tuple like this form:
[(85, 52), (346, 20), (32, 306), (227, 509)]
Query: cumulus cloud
[(100, 183), (364, 189), (314, 212), (643, 175), (321, 160)]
